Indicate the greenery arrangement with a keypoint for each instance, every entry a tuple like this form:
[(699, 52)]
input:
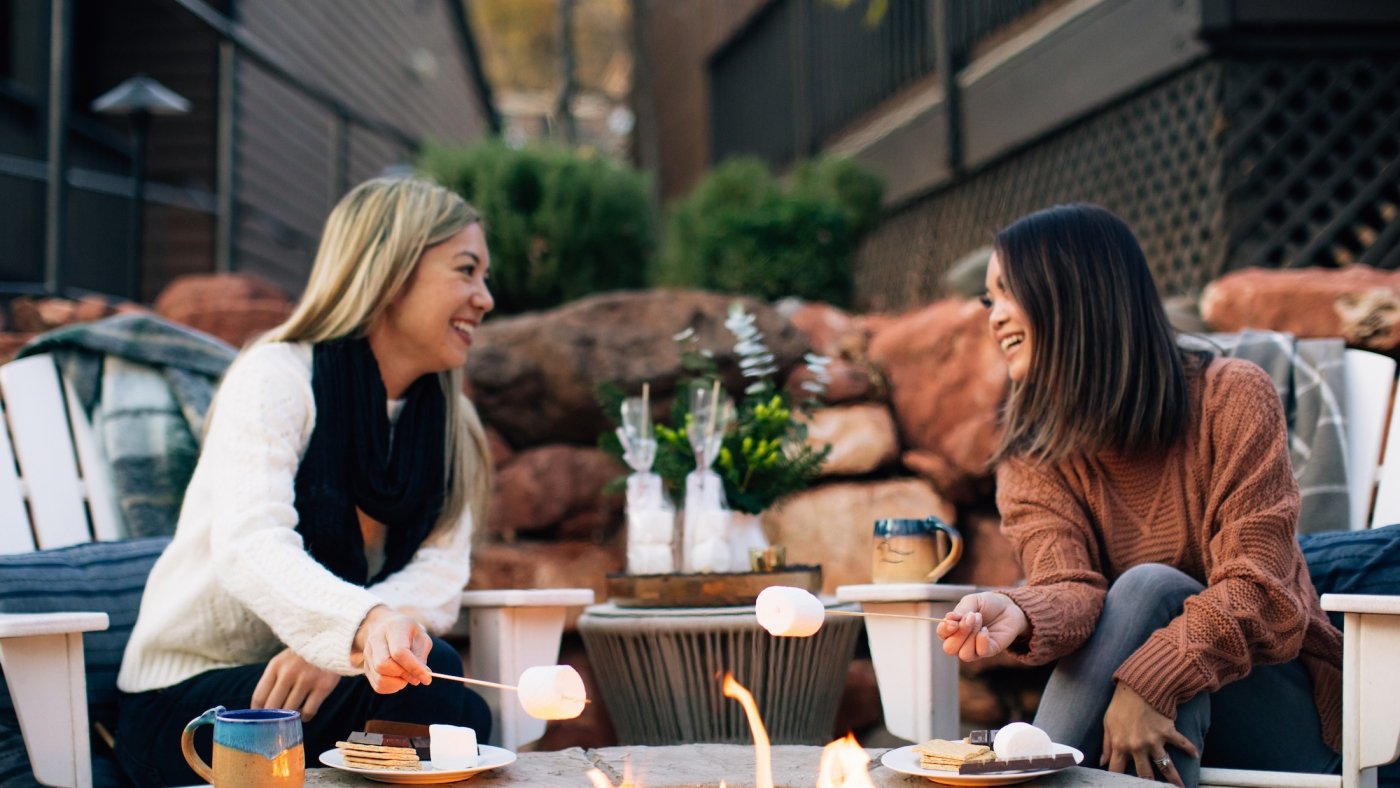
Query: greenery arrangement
[(561, 224), (764, 455), (742, 231)]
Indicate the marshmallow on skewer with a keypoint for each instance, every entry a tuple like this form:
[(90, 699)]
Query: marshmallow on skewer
[(552, 692), (1022, 740), (789, 612)]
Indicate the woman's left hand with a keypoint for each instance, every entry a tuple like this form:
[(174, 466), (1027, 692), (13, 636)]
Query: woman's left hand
[(290, 682), (1134, 732)]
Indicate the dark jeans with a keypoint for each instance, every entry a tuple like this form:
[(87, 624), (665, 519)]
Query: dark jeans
[(1266, 720), (150, 723)]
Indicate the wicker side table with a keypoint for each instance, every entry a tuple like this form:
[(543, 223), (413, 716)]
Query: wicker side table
[(660, 670)]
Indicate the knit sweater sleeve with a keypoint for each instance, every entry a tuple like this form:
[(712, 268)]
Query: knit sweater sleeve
[(261, 423), (429, 587), (1052, 534), (1252, 610)]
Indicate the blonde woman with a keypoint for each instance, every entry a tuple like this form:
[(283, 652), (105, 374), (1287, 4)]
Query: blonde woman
[(326, 531)]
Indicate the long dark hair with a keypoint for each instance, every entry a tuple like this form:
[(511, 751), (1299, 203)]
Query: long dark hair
[(1105, 372)]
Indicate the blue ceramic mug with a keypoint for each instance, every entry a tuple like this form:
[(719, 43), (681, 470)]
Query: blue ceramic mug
[(254, 748), (914, 551)]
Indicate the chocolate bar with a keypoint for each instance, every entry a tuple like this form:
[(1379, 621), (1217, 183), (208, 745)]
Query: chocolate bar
[(421, 744), (1059, 761), (982, 737)]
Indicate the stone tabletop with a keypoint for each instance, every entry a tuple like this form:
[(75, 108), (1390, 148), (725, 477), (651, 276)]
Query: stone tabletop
[(697, 765)]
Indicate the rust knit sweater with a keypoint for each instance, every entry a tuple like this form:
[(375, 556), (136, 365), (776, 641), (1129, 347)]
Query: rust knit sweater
[(1221, 506)]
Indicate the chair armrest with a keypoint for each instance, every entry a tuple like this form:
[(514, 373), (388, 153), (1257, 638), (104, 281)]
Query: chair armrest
[(536, 597), (1383, 604), (22, 625), (41, 656)]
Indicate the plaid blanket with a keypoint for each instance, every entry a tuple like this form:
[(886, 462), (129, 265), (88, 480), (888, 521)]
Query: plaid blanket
[(145, 383), (1309, 376)]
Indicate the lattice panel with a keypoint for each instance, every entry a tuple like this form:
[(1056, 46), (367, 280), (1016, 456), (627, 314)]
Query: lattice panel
[(1154, 159), (1314, 153)]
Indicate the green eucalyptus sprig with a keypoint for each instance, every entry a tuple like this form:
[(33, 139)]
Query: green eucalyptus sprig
[(764, 455)]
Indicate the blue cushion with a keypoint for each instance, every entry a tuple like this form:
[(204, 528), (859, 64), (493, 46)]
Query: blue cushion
[(1353, 562), (105, 577)]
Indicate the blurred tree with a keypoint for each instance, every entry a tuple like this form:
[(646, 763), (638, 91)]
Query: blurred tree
[(520, 48)]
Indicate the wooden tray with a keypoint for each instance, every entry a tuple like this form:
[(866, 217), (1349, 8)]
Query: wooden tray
[(715, 589)]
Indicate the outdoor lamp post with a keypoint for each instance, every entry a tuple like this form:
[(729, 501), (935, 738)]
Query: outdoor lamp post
[(139, 98)]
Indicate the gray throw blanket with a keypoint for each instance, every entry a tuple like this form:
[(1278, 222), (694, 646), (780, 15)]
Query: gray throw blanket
[(146, 384), (1309, 376)]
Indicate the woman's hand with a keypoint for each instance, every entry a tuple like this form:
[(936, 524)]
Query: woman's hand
[(290, 682), (1135, 732), (393, 648), (982, 625)]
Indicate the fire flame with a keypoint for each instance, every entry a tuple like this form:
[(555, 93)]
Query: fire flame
[(762, 749), (844, 764)]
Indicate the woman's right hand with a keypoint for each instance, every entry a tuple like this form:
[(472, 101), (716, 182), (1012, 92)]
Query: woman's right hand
[(393, 648), (982, 625)]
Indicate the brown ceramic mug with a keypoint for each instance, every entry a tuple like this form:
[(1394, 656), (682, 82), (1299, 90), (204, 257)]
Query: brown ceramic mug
[(253, 748), (914, 551)]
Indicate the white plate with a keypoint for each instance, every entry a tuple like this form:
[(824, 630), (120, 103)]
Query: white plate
[(491, 758), (905, 761)]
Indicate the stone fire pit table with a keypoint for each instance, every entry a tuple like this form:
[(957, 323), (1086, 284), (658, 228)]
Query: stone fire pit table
[(696, 765)]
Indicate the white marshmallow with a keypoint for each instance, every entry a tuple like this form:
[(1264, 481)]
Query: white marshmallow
[(1022, 740), (552, 692), (452, 747), (789, 612)]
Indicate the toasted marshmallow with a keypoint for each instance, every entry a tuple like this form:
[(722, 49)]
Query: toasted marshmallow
[(789, 612)]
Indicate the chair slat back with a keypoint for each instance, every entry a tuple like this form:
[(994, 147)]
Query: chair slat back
[(15, 535), (43, 445), (1387, 509), (92, 463), (1370, 380)]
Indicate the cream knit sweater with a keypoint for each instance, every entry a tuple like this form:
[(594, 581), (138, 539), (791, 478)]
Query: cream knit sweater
[(236, 585)]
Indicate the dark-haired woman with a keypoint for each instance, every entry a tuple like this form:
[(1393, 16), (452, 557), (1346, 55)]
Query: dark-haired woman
[(1150, 496)]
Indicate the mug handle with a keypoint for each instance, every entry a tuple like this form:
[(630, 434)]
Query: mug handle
[(955, 548), (187, 743)]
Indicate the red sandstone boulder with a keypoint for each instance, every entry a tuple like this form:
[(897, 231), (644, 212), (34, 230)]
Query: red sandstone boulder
[(535, 564), (848, 381), (501, 452), (829, 330), (558, 487), (833, 524), (862, 438), (860, 708), (534, 376), (946, 379), (37, 315), (1359, 303), (233, 307)]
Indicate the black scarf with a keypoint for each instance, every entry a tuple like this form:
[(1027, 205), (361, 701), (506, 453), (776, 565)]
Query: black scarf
[(351, 462)]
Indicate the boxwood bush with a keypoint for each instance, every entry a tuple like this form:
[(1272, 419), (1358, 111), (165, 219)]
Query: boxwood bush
[(742, 231), (561, 224)]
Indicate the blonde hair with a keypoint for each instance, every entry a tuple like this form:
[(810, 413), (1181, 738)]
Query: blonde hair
[(373, 239)]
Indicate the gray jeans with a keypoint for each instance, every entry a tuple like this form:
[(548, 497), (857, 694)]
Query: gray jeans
[(1266, 720)]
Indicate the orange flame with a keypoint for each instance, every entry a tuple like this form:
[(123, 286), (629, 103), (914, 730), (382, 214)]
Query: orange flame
[(762, 749), (844, 764)]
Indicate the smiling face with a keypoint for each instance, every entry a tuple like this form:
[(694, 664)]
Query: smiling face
[(1008, 323), (428, 327)]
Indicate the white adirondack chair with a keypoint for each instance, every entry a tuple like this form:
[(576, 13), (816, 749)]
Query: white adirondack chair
[(919, 683), (54, 492)]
